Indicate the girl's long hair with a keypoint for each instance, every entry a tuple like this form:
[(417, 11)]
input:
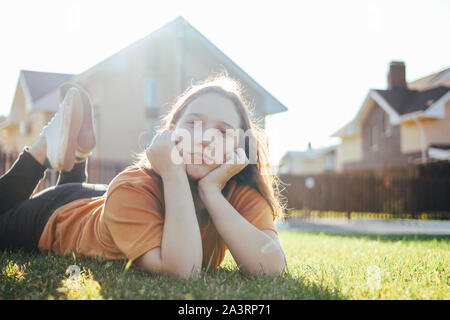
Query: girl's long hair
[(258, 175)]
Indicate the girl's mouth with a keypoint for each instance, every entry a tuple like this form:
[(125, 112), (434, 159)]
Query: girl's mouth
[(200, 157)]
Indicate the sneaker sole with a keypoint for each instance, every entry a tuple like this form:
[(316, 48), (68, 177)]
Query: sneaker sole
[(72, 120), (86, 149), (88, 112)]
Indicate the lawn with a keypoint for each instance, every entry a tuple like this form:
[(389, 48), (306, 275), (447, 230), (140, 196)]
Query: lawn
[(319, 266)]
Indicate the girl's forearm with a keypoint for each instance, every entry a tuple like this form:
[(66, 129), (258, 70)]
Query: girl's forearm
[(250, 247), (181, 247)]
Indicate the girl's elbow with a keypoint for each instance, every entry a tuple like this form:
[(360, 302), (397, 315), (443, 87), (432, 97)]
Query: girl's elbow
[(187, 272), (276, 266), (277, 269), (172, 265), (183, 270)]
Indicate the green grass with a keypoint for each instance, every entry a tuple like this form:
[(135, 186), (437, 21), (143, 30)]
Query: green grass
[(319, 266)]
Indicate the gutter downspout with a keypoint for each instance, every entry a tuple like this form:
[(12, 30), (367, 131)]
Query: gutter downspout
[(423, 138)]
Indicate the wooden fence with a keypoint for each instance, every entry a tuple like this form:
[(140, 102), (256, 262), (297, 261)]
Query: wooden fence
[(411, 191)]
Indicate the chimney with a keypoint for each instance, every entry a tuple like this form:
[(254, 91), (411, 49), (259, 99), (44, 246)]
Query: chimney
[(397, 75)]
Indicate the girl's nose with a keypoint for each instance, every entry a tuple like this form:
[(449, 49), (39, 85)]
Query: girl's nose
[(206, 142), (201, 142)]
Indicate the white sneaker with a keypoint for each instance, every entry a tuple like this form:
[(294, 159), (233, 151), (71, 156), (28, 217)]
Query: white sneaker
[(61, 133), (86, 138)]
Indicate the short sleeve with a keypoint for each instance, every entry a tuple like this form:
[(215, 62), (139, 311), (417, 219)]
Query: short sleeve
[(134, 220), (254, 208)]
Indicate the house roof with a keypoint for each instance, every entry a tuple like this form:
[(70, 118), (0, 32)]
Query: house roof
[(441, 146), (405, 101), (439, 78), (423, 97), (40, 91), (179, 24), (439, 151), (40, 83), (273, 105)]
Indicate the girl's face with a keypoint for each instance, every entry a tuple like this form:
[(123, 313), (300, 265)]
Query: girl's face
[(204, 123)]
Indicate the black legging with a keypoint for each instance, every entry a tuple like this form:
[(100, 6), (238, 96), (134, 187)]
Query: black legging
[(22, 219)]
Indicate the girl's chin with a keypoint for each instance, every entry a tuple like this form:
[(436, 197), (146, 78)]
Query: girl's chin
[(198, 171)]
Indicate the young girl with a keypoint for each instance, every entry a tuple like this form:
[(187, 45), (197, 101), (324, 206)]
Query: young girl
[(166, 214)]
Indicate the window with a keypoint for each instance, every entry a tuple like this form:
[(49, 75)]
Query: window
[(26, 125), (373, 137), (24, 128), (329, 161), (151, 94), (386, 125)]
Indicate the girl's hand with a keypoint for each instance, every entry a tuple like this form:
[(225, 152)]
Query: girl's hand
[(163, 154), (217, 178)]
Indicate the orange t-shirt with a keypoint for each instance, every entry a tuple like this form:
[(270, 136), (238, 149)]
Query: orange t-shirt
[(127, 221)]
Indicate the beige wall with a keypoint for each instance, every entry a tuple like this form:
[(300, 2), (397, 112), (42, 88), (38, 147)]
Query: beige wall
[(26, 125), (117, 87), (349, 150), (308, 166), (15, 139), (18, 110), (120, 116), (410, 136), (436, 131)]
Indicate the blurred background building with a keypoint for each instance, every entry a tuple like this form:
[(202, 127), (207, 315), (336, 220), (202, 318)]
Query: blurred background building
[(405, 123), (402, 124), (310, 161), (130, 90)]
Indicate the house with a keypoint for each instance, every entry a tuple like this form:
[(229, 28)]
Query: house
[(406, 123), (34, 103), (310, 161), (131, 90)]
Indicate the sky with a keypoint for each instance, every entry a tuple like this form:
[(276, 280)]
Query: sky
[(319, 58)]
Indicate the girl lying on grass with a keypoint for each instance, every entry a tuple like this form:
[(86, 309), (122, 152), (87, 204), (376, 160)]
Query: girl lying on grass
[(177, 209)]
